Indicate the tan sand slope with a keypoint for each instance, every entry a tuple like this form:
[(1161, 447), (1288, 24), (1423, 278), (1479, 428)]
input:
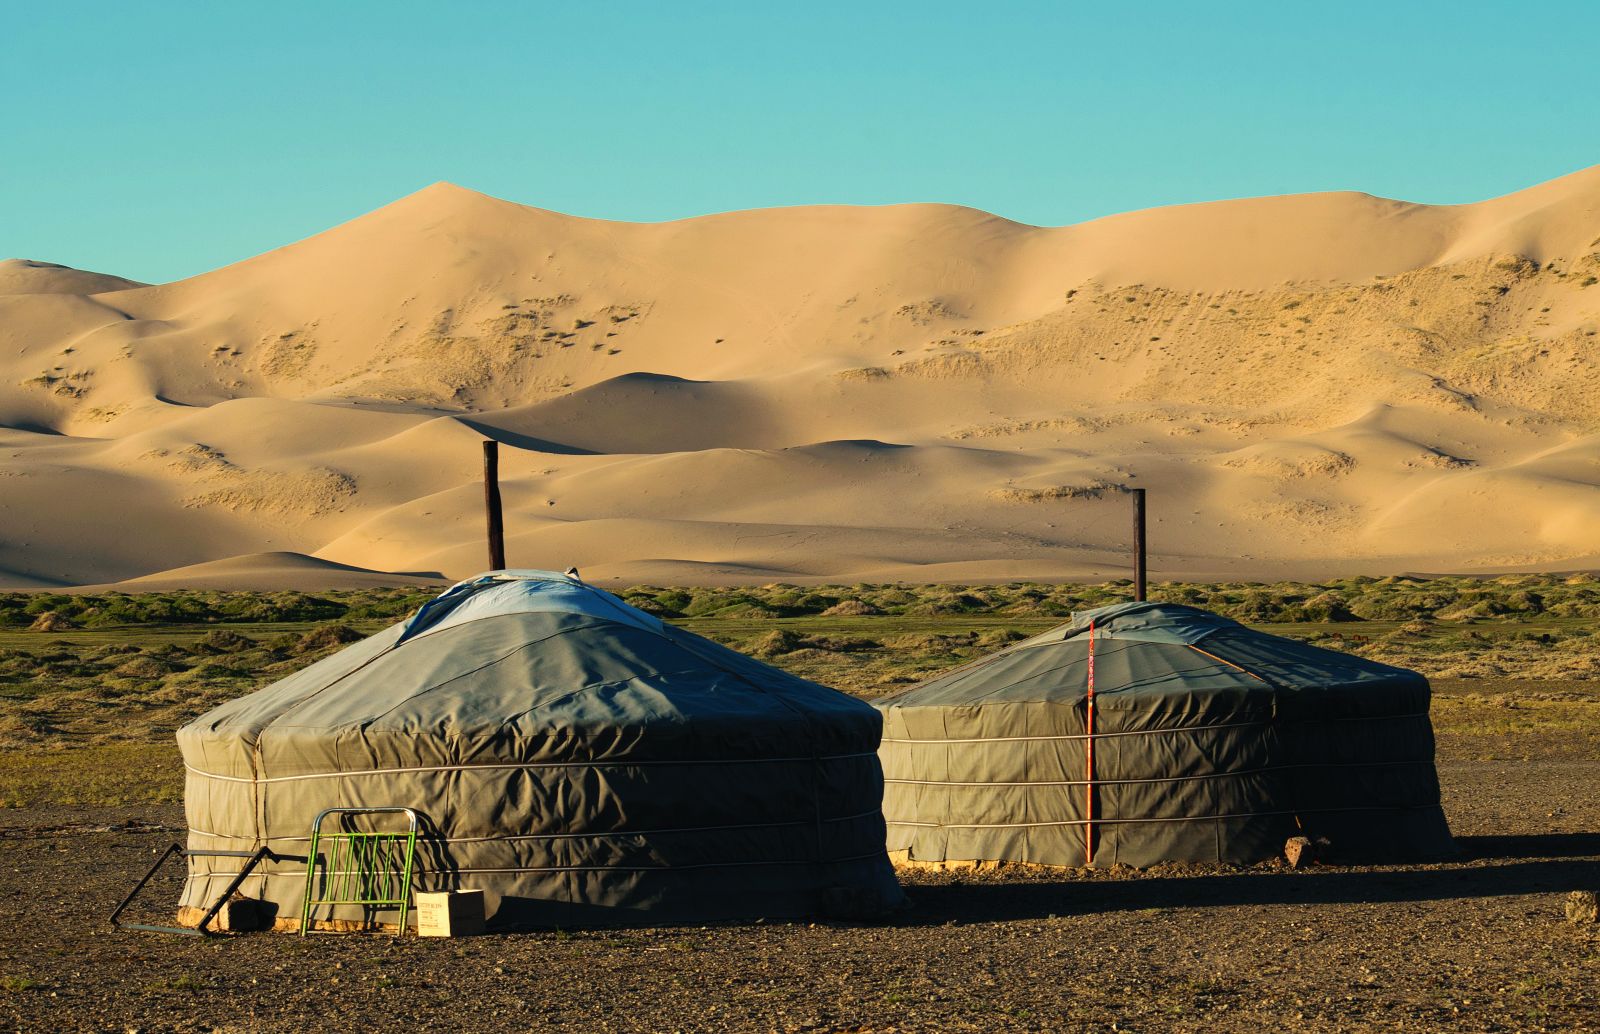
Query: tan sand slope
[(268, 572), (1309, 384), (25, 276)]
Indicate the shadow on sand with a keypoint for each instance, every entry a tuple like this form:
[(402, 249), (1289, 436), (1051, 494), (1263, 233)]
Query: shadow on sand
[(1487, 867)]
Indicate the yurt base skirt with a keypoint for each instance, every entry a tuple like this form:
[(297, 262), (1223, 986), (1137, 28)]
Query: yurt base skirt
[(1353, 836), (855, 888), (190, 918)]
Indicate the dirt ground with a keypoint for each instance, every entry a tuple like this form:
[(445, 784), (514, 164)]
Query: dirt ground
[(1477, 944)]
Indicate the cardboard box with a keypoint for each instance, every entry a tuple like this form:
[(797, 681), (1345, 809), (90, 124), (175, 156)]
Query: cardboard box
[(449, 913)]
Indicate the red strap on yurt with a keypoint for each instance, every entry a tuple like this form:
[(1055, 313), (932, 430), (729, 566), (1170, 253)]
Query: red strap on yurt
[(1088, 746)]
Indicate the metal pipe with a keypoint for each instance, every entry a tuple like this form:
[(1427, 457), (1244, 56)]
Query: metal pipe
[(1138, 545), (491, 505)]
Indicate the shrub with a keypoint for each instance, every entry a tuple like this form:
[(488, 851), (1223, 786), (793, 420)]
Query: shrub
[(324, 638)]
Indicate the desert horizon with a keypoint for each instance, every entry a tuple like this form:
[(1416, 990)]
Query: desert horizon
[(830, 518), (1313, 385)]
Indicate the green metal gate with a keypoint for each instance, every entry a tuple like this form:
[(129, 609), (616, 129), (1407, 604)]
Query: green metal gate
[(367, 868)]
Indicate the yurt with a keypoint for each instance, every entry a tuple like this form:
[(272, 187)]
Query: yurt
[(576, 760), (1201, 741)]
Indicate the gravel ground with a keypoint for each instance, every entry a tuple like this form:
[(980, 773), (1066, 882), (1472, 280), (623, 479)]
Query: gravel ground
[(1477, 944)]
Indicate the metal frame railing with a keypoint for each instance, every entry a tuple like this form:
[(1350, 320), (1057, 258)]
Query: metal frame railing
[(203, 928), (368, 869)]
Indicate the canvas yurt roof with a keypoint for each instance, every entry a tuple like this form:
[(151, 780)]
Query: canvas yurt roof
[(1212, 742), (577, 759)]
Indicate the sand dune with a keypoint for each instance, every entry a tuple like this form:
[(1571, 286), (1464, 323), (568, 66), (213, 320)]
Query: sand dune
[(268, 572), (25, 276), (1327, 383)]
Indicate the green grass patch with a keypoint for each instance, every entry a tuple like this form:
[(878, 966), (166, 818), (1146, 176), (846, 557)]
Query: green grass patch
[(112, 775)]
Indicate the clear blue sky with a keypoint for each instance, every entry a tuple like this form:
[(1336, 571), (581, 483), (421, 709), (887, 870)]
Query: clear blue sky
[(160, 139)]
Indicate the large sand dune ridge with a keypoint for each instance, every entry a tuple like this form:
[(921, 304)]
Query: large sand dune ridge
[(1327, 383)]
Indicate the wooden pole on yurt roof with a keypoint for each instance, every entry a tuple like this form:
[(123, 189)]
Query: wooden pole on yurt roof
[(1138, 544), (491, 505)]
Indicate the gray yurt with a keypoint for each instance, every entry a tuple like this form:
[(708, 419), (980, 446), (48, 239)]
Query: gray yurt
[(575, 759), (1209, 742)]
